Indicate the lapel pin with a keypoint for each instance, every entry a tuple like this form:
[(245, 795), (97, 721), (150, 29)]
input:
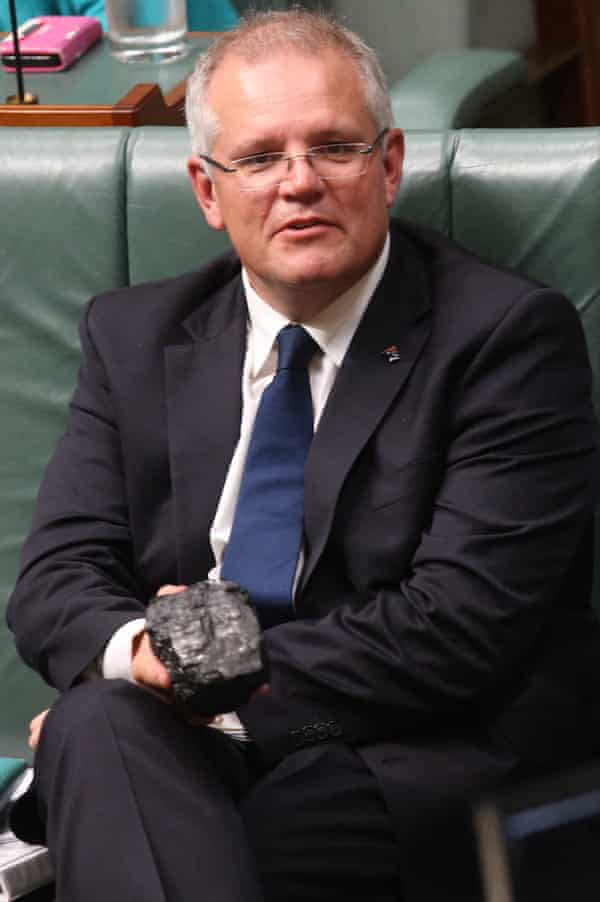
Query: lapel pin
[(391, 354)]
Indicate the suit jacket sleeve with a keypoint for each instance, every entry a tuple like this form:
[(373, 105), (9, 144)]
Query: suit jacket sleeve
[(484, 589), (77, 583)]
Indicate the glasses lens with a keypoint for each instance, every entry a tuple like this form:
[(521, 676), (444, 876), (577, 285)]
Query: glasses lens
[(338, 161), (261, 171)]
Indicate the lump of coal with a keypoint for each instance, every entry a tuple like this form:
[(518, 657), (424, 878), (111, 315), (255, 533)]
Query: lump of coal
[(209, 639)]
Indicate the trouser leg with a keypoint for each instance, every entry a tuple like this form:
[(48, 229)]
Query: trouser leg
[(320, 832), (138, 804)]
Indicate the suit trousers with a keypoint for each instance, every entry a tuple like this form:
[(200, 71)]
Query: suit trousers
[(137, 803)]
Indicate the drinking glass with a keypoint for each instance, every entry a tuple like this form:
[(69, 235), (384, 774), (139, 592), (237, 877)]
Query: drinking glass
[(147, 31)]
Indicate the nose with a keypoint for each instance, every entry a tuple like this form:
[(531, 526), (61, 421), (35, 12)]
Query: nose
[(301, 176)]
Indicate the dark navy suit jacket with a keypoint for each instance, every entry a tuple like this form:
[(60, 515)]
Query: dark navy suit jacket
[(442, 615)]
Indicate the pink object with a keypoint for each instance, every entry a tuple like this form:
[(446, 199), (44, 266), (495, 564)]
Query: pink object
[(51, 43)]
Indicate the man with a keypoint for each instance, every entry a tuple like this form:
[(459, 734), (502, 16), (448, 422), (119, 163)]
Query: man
[(439, 641)]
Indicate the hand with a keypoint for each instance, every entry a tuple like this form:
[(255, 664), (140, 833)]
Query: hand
[(146, 668), (35, 729), (170, 590), (150, 672), (195, 720)]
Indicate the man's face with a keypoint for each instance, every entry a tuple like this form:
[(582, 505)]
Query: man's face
[(291, 102)]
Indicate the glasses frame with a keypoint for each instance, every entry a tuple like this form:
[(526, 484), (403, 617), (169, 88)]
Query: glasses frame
[(365, 150)]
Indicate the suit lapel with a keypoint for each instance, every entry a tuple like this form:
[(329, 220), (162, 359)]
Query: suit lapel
[(203, 379), (381, 355)]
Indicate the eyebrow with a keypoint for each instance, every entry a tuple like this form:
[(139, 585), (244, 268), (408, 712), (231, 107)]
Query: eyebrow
[(275, 144)]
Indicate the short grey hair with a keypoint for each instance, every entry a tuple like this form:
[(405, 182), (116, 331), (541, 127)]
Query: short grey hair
[(256, 36)]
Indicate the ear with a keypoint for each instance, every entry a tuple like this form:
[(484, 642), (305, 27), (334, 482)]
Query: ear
[(393, 163), (204, 189)]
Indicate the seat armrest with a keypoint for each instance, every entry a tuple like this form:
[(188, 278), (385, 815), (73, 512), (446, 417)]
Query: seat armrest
[(448, 90)]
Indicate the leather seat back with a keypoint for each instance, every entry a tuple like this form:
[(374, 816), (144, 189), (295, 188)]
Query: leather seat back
[(62, 238), (85, 210)]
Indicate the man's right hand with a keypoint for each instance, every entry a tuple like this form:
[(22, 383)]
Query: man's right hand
[(146, 668)]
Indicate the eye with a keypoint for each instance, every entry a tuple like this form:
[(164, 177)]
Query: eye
[(258, 162), (337, 153)]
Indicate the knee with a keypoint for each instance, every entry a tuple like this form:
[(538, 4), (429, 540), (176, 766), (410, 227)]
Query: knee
[(81, 712), (82, 703), (271, 815)]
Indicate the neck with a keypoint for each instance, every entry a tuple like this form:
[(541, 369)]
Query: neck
[(303, 300), (301, 303), (301, 309)]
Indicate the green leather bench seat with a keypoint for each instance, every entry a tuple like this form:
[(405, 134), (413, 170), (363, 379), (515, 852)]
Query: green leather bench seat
[(62, 236), (454, 89), (89, 209), (529, 200), (166, 233)]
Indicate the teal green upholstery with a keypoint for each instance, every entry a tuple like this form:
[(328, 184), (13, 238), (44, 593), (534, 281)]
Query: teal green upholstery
[(453, 89), (84, 210), (166, 232), (62, 237), (530, 200)]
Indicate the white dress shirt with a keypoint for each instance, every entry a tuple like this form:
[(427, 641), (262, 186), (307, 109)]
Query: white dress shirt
[(332, 330)]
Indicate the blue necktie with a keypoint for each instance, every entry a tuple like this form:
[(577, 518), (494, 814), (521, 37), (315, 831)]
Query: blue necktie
[(262, 552)]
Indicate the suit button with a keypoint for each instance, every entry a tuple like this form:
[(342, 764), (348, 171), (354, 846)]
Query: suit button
[(310, 734), (321, 732)]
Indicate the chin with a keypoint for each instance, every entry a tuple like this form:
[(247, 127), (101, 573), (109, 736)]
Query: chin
[(313, 281), (311, 268)]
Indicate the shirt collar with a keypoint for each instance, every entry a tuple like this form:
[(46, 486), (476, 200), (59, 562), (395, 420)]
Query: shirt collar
[(332, 329)]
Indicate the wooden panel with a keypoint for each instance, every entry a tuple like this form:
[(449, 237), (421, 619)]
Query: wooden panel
[(565, 63), (143, 105), (101, 91), (556, 23), (588, 20)]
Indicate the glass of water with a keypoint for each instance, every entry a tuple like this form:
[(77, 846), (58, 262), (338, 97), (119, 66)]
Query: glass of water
[(147, 31)]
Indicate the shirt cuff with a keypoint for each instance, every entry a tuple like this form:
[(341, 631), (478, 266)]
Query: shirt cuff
[(116, 661), (231, 725), (116, 664)]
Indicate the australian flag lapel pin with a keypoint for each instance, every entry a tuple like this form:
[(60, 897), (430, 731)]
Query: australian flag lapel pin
[(391, 354)]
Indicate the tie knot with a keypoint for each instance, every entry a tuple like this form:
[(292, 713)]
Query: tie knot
[(296, 347)]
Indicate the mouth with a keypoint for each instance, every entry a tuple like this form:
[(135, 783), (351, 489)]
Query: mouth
[(306, 226)]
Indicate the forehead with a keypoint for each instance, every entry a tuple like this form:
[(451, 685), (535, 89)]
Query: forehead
[(287, 94)]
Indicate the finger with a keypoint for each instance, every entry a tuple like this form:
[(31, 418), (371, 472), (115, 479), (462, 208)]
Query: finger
[(146, 667), (263, 689), (35, 729), (159, 676), (169, 589), (38, 719)]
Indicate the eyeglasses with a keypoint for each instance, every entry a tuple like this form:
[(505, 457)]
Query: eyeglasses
[(328, 161)]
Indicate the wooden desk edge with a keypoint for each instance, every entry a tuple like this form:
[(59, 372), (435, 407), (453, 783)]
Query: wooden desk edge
[(144, 104)]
